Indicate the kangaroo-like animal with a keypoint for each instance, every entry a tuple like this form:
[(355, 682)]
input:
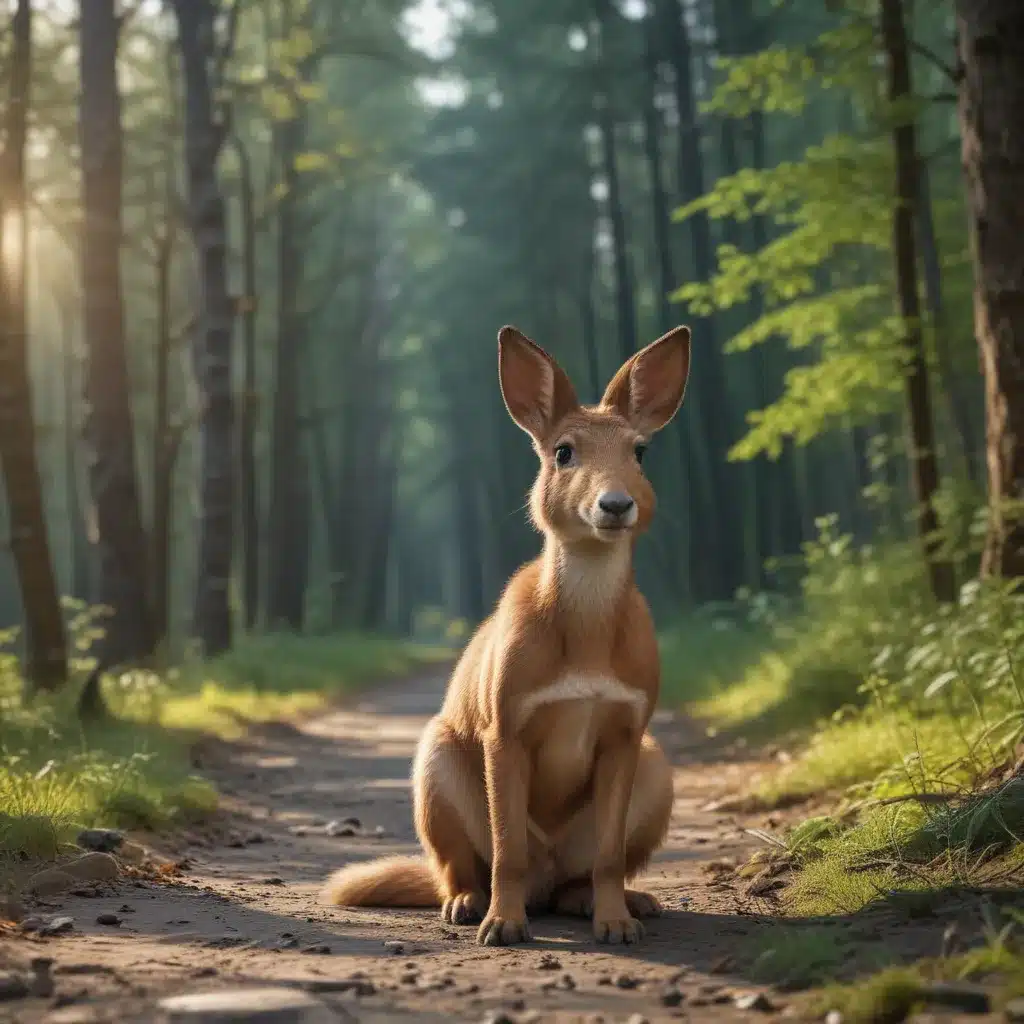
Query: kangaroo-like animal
[(537, 785)]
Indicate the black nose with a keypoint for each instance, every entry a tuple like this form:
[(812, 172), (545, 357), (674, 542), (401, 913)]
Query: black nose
[(615, 503)]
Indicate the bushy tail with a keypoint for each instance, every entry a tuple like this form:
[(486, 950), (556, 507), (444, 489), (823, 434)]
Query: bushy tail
[(386, 882)]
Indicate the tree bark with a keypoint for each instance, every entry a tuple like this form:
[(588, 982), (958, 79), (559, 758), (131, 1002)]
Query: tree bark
[(288, 488), (991, 35), (78, 534), (922, 456), (121, 542), (45, 637), (205, 131), (164, 442), (248, 482)]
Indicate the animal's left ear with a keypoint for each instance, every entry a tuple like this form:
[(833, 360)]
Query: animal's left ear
[(649, 387)]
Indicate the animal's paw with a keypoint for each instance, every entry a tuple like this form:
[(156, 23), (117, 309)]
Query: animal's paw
[(579, 902), (618, 929), (503, 931), (464, 908), (642, 904)]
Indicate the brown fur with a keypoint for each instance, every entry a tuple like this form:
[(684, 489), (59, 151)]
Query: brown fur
[(537, 784), (386, 882)]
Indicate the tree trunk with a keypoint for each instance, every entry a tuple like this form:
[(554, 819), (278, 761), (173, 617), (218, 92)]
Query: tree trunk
[(716, 559), (588, 311), (248, 483), (375, 598), (205, 131), (78, 534), (957, 401), (164, 443), (123, 583), (922, 457), (288, 488), (625, 307), (991, 37), (45, 638), (666, 280)]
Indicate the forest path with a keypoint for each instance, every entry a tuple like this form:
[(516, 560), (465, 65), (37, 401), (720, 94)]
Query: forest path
[(247, 906)]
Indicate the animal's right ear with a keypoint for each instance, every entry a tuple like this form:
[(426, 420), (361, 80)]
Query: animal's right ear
[(535, 388)]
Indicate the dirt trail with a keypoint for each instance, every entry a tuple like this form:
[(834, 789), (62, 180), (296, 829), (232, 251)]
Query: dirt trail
[(247, 907)]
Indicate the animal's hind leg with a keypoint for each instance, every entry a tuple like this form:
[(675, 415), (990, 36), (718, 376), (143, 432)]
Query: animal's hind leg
[(450, 808), (647, 821)]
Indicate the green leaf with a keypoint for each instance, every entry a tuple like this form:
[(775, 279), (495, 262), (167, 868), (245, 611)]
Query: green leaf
[(312, 161)]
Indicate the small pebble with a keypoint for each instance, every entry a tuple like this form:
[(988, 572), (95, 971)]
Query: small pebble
[(100, 840), (672, 997), (625, 981), (753, 1001), (93, 867), (12, 986), (57, 926), (318, 949), (499, 1017), (1014, 1009), (394, 946), (111, 920), (49, 882), (41, 984)]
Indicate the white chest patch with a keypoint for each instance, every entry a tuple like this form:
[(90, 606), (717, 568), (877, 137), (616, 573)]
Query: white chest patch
[(582, 687)]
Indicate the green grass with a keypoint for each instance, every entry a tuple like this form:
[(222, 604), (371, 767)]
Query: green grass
[(133, 769), (888, 997), (866, 983), (876, 695), (892, 995), (715, 667), (796, 958), (279, 677)]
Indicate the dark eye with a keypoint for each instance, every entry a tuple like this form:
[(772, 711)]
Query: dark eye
[(563, 455), (640, 450)]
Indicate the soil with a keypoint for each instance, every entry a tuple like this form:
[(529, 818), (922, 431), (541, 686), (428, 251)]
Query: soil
[(246, 906)]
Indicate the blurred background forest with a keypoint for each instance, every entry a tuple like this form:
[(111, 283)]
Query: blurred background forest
[(264, 246)]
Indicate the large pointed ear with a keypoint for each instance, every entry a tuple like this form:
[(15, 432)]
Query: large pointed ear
[(536, 390), (649, 387)]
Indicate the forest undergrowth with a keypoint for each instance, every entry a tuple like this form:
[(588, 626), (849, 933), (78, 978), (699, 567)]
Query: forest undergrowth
[(897, 721), (132, 767)]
